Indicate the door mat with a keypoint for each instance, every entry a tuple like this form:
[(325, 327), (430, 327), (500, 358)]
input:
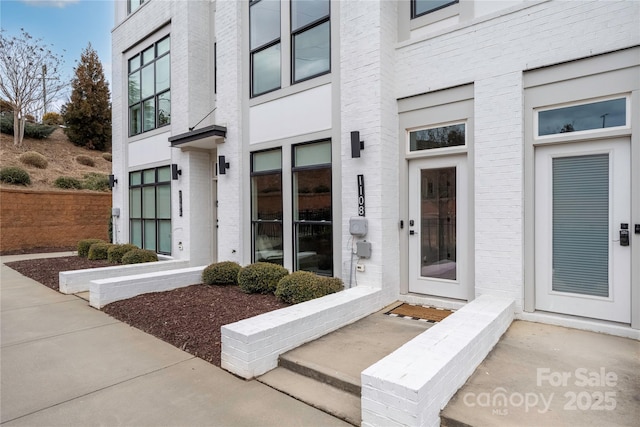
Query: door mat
[(418, 312)]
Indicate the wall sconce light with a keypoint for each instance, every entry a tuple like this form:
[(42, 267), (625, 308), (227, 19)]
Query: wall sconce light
[(223, 165), (175, 171), (112, 181), (356, 144)]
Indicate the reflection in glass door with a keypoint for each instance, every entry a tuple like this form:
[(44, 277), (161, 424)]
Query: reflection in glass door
[(438, 223), (438, 227)]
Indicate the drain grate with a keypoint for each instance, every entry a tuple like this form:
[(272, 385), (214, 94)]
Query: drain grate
[(418, 312)]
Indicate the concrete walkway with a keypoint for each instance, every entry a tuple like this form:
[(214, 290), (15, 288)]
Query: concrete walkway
[(64, 363), (545, 375)]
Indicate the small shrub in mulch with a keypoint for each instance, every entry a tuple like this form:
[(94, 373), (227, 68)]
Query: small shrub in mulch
[(99, 251), (261, 277), (84, 246), (35, 159), (14, 175), (116, 252), (85, 160), (138, 256), (303, 286), (221, 273)]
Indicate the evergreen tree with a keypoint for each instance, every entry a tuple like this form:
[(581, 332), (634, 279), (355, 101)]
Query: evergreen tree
[(87, 115)]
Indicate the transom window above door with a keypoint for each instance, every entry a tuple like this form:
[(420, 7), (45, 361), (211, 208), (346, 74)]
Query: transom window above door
[(451, 135), (586, 116)]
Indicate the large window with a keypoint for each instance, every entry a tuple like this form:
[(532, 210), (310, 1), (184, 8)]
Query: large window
[(583, 117), (149, 88), (310, 39), (422, 7), (150, 209), (266, 206), (312, 224), (264, 23), (307, 22)]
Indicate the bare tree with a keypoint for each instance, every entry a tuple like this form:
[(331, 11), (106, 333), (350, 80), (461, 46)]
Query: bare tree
[(28, 77)]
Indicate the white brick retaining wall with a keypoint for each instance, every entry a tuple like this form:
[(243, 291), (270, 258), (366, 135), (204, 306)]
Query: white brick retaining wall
[(105, 291), (405, 389), (75, 281), (252, 346)]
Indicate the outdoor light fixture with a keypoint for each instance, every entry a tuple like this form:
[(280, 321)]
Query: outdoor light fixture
[(175, 171), (356, 144), (112, 181), (223, 165)]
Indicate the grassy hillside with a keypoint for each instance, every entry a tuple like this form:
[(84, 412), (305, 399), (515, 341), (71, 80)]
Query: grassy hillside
[(61, 156)]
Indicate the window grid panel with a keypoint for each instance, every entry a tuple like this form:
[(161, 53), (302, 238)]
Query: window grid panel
[(150, 209), (149, 88)]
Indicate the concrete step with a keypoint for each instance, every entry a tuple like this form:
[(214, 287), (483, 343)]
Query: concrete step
[(332, 400), (322, 373)]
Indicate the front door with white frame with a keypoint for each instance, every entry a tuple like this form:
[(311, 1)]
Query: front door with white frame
[(582, 207), (438, 226)]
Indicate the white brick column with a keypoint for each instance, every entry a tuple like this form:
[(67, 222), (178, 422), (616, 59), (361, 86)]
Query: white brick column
[(499, 186), (368, 105)]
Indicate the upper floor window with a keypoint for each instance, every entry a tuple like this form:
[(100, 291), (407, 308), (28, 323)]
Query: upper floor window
[(422, 7), (134, 4), (264, 28), (308, 23), (149, 88), (310, 39)]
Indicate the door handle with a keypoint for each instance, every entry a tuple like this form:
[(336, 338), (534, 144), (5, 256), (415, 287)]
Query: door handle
[(624, 234), (412, 232)]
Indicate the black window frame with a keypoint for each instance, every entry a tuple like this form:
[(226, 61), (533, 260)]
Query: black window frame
[(256, 222), (260, 48), (301, 30), (142, 219), (417, 15), (295, 222), (156, 95)]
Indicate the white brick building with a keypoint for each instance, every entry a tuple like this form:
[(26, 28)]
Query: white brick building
[(501, 145)]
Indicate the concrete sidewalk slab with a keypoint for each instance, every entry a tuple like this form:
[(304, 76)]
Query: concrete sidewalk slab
[(191, 393), (30, 296), (545, 375), (57, 369), (43, 321)]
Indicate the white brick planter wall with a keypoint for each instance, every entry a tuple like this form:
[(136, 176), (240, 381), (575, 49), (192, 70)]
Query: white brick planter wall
[(75, 281), (405, 390), (105, 291), (251, 347)]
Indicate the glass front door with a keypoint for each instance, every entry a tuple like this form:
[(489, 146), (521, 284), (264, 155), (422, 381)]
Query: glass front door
[(437, 227)]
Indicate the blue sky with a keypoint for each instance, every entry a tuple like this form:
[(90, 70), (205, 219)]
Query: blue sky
[(66, 26)]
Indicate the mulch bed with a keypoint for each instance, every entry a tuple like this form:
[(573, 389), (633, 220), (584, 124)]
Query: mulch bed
[(188, 318), (46, 270)]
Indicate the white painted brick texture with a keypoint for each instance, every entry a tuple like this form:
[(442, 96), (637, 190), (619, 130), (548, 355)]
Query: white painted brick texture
[(403, 389)]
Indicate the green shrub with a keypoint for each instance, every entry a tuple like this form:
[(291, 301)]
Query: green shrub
[(14, 175), (36, 131), (85, 244), (116, 252), (107, 157), (31, 130), (33, 158), (304, 286), (96, 182), (137, 256), (221, 273), (261, 277), (67, 182), (85, 160), (99, 250)]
